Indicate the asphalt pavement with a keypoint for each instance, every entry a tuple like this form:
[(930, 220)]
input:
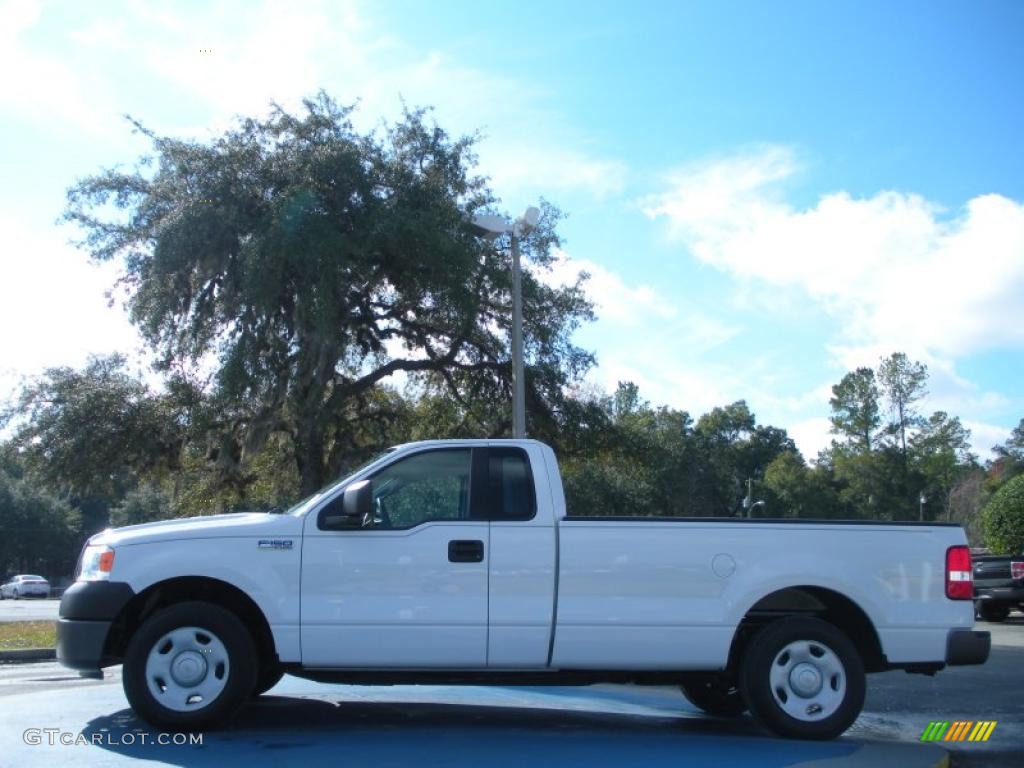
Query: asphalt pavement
[(900, 706), (29, 609), (303, 723)]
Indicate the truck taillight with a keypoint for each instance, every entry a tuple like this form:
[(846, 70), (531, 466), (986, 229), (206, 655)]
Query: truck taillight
[(959, 578), (1017, 569)]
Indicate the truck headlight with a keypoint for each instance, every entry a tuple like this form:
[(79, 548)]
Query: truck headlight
[(97, 563)]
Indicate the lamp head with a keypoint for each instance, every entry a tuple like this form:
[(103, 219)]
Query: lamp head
[(489, 223)]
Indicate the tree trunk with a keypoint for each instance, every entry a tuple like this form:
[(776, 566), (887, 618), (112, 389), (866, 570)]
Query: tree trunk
[(309, 456)]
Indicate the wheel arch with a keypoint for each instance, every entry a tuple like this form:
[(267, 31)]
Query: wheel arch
[(184, 589), (811, 600)]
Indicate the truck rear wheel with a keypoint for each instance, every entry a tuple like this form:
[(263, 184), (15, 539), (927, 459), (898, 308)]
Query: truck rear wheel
[(995, 612), (189, 666), (715, 696), (802, 678)]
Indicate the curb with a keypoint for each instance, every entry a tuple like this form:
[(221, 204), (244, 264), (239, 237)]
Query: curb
[(30, 654)]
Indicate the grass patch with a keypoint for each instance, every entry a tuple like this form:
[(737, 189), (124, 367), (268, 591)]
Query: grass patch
[(19, 635)]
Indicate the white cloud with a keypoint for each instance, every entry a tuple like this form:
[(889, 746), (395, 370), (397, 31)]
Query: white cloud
[(811, 436), (985, 436), (278, 51), (37, 86), (650, 339), (790, 405), (656, 342), (236, 59), (529, 149), (52, 305), (613, 299), (520, 169), (892, 268), (102, 33), (255, 53), (664, 380), (704, 198), (896, 271)]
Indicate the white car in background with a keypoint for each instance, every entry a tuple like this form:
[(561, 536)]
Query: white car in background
[(25, 585)]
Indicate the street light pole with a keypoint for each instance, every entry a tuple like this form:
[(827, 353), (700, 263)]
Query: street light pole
[(493, 226), (518, 372)]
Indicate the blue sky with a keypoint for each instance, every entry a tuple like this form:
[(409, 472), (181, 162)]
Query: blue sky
[(765, 194)]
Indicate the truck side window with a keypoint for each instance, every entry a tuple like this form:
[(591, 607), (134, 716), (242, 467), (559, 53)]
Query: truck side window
[(510, 482), (426, 486)]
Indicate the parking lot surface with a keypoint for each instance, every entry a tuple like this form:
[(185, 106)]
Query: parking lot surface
[(303, 723), (30, 609)]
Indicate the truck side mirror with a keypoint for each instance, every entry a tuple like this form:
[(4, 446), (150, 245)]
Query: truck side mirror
[(358, 500), (356, 504)]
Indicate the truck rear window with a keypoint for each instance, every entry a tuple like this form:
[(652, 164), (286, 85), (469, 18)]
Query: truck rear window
[(510, 491)]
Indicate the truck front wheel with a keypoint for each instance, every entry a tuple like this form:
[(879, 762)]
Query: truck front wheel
[(802, 678), (189, 666)]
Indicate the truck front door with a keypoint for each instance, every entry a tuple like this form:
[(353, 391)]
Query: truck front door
[(407, 586)]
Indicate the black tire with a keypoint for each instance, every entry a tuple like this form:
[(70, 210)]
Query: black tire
[(817, 652), (715, 696), (268, 676), (236, 675), (994, 612)]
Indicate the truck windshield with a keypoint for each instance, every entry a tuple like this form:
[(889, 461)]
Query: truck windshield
[(301, 507)]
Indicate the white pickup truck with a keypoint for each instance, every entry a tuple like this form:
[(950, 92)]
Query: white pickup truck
[(454, 562)]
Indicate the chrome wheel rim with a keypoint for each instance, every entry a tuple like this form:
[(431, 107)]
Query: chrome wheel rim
[(808, 680), (187, 669)]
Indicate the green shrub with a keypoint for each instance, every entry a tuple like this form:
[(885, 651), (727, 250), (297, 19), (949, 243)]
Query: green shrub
[(1002, 519)]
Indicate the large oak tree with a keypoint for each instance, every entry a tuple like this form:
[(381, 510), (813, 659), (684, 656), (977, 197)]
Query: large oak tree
[(314, 262)]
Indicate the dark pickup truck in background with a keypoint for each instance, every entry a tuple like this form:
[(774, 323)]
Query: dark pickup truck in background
[(998, 585)]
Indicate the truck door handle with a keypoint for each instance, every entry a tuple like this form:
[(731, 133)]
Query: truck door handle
[(465, 551)]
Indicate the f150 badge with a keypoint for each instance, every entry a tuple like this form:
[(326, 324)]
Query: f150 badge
[(275, 544)]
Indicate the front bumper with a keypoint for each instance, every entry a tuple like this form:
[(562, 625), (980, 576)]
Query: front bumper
[(87, 611), (80, 643), (967, 646)]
